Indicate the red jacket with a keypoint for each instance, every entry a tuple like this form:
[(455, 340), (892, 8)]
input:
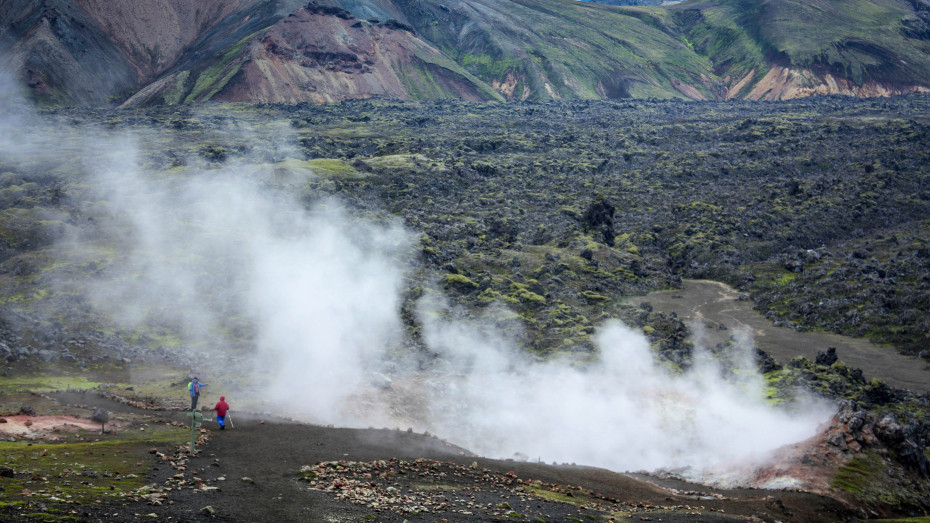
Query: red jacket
[(221, 408)]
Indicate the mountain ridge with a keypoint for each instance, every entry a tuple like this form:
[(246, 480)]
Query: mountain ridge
[(87, 52), (316, 52)]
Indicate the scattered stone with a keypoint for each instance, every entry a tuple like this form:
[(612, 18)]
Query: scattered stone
[(441, 487)]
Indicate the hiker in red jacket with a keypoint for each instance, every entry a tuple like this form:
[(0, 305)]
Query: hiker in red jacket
[(221, 408)]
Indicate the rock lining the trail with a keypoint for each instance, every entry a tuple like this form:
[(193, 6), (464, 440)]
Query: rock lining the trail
[(424, 486)]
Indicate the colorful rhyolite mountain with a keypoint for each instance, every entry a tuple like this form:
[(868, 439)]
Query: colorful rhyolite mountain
[(97, 52)]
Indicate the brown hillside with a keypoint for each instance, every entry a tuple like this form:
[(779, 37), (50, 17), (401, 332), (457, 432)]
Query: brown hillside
[(154, 33), (323, 54), (60, 55)]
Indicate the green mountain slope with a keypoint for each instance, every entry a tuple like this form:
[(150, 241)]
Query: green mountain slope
[(826, 46), (556, 49), (472, 49), (564, 49)]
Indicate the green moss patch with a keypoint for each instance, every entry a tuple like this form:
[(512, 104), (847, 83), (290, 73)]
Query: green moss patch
[(460, 282), (45, 383), (866, 478), (102, 469)]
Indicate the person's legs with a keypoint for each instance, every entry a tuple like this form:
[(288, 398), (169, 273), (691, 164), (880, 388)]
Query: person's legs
[(222, 421), (194, 399)]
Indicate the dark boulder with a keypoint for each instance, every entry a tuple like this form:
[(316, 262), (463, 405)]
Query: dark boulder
[(878, 393), (599, 218), (827, 358), (765, 362)]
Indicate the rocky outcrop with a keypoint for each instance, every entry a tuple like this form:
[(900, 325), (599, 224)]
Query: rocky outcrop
[(599, 218), (855, 452), (827, 358)]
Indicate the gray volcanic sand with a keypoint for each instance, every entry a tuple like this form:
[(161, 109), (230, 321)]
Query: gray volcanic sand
[(718, 308), (269, 452)]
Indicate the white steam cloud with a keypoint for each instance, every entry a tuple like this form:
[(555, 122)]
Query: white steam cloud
[(624, 412), (320, 292)]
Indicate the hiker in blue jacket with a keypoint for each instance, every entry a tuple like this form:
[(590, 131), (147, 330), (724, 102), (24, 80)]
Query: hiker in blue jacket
[(194, 388)]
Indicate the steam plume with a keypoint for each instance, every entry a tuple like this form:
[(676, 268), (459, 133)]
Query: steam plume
[(317, 292), (624, 412)]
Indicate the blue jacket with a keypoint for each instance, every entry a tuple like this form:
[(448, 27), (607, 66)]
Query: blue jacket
[(194, 389)]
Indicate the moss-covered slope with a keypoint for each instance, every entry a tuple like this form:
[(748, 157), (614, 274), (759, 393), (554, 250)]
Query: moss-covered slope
[(778, 49)]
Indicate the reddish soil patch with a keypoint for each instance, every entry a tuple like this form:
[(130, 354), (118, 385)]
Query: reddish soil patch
[(22, 426)]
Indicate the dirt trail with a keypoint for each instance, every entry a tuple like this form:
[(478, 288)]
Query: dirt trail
[(258, 462), (270, 453), (718, 308)]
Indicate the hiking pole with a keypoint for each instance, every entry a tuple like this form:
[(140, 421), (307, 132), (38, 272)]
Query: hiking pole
[(229, 419)]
